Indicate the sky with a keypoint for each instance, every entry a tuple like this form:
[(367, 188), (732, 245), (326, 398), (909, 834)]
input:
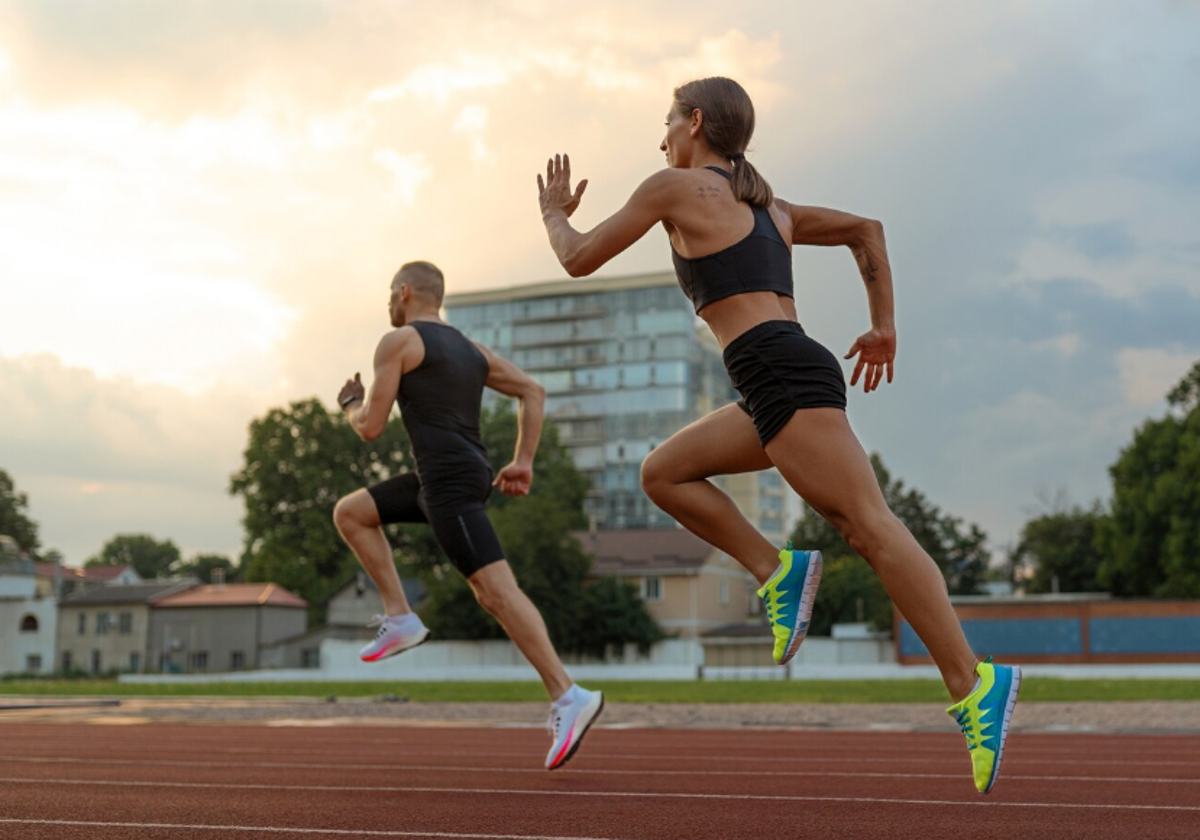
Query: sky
[(202, 204)]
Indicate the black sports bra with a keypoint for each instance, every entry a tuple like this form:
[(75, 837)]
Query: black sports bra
[(759, 263)]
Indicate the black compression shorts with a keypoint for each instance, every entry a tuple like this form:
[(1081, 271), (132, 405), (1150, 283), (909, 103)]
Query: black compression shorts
[(464, 531), (778, 369)]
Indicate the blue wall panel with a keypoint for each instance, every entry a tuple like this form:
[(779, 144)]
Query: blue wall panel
[(1009, 637), (1135, 634)]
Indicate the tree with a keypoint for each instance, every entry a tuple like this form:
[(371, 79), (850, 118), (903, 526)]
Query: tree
[(149, 557), (1151, 542), (202, 566), (959, 551), (1059, 550), (14, 522)]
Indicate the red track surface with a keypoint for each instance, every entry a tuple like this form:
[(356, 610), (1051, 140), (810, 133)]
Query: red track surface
[(186, 782)]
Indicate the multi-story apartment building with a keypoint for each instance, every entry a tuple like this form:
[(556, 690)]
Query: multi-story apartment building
[(625, 364)]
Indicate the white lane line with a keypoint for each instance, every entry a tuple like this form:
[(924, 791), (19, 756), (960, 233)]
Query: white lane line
[(602, 794), (280, 829), (1115, 762), (581, 771)]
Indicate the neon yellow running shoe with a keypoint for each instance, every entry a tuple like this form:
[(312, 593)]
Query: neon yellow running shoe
[(788, 596), (984, 714)]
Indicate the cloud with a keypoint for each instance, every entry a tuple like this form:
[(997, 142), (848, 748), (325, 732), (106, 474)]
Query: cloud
[(100, 456)]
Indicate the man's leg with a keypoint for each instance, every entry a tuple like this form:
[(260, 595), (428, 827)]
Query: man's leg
[(497, 591), (357, 520)]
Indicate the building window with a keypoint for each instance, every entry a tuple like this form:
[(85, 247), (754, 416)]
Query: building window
[(95, 662), (33, 663), (103, 622), (125, 623), (82, 623), (310, 658), (29, 624), (135, 662), (200, 660), (237, 660), (652, 589), (66, 662), (724, 591)]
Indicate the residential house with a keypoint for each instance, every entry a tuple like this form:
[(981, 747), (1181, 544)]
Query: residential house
[(107, 628), (688, 586), (28, 620), (222, 627)]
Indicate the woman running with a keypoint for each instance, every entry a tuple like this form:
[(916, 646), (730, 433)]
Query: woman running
[(731, 244)]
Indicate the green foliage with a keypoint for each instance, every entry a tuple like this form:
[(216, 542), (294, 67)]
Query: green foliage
[(850, 591), (150, 558), (202, 566), (1151, 542), (960, 552), (14, 521), (297, 463), (1062, 545)]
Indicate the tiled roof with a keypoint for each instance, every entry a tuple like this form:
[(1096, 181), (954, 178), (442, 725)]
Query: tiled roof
[(49, 570), (103, 572), (663, 551), (234, 595), (136, 593)]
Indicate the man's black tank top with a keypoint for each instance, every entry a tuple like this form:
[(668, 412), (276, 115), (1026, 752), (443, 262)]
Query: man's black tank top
[(439, 405), (759, 263)]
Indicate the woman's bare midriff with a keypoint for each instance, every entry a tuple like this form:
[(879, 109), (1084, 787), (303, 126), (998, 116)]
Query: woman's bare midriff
[(730, 317)]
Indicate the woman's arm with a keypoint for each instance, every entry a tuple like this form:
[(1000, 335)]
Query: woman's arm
[(876, 348), (582, 253)]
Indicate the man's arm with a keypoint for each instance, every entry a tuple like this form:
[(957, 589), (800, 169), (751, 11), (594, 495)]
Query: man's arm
[(510, 380), (368, 411)]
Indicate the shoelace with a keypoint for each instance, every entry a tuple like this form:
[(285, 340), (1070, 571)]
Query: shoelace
[(967, 726), (379, 621), (553, 723)]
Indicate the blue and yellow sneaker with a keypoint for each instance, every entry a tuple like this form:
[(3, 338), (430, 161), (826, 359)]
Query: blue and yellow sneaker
[(788, 596), (983, 716)]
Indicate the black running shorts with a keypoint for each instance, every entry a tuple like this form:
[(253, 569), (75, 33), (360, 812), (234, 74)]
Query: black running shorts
[(778, 369), (463, 530)]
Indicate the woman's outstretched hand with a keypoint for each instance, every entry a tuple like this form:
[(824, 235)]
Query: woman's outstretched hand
[(555, 192), (876, 351)]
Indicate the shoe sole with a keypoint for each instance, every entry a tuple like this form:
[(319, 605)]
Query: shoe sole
[(587, 727), (1011, 703), (388, 654), (808, 597)]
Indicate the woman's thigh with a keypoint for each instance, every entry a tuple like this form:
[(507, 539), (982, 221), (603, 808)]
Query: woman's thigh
[(821, 459), (723, 442)]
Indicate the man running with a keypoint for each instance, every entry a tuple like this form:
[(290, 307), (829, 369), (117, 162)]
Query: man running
[(437, 376)]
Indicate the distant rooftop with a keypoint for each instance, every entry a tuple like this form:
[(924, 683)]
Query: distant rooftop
[(659, 551), (137, 593), (234, 595), (554, 288)]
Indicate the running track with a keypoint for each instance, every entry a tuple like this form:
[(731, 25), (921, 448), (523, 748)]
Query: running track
[(186, 782)]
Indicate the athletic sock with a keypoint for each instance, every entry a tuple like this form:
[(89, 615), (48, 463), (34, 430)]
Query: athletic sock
[(571, 695), (408, 623)]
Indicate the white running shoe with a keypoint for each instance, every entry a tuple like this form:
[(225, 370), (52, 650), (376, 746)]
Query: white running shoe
[(397, 634), (570, 723)]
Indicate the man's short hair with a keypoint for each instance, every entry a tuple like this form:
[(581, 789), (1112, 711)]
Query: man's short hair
[(424, 278)]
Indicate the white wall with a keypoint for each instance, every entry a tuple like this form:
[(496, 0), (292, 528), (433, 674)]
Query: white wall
[(17, 601)]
